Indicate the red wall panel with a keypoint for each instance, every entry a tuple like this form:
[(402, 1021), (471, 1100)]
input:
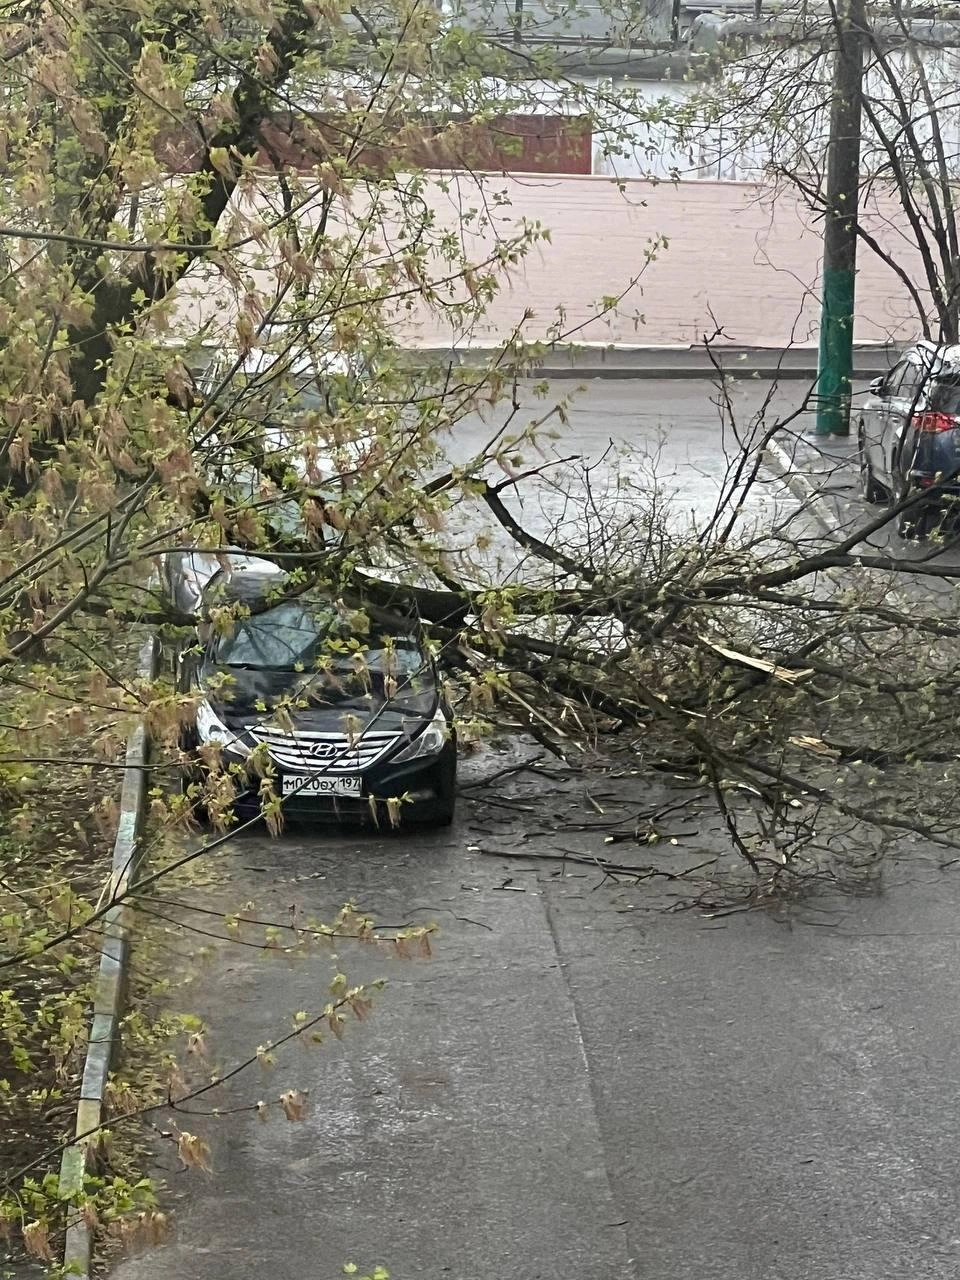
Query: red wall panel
[(511, 144)]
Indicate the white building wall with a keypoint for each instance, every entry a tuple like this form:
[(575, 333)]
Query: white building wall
[(665, 142), (673, 135)]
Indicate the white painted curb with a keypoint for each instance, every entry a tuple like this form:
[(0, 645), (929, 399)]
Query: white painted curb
[(110, 988), (777, 460)]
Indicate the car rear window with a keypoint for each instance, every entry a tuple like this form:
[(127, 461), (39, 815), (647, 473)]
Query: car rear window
[(945, 396)]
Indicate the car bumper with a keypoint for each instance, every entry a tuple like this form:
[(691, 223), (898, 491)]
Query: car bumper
[(428, 784), (921, 480)]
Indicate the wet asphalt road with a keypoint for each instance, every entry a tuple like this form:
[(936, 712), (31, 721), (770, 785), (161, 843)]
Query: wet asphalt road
[(577, 1084), (580, 1084), (682, 437)]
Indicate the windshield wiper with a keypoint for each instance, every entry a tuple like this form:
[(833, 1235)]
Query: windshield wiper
[(246, 666)]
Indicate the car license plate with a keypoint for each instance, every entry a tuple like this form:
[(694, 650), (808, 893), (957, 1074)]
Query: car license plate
[(318, 784)]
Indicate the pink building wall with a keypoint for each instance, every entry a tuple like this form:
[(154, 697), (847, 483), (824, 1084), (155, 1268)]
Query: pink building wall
[(737, 259)]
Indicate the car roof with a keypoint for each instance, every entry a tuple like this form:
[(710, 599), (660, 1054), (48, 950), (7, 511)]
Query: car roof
[(243, 578), (934, 356), (297, 363)]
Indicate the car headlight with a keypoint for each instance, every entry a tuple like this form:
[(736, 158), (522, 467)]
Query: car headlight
[(429, 743), (210, 728)]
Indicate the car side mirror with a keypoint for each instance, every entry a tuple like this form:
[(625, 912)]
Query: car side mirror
[(876, 387)]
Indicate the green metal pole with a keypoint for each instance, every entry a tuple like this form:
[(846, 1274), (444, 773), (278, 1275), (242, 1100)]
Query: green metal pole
[(835, 375), (838, 304)]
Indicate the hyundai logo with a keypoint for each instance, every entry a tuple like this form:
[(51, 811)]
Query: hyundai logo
[(324, 750)]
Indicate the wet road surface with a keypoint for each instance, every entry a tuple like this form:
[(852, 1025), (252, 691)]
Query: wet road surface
[(580, 1084)]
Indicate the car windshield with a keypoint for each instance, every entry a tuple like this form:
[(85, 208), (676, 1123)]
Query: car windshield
[(300, 636), (283, 638)]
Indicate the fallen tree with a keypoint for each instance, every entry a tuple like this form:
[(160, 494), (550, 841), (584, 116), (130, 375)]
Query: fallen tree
[(739, 649), (184, 186)]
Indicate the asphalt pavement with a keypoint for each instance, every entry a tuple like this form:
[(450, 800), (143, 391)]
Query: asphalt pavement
[(584, 1082), (682, 439)]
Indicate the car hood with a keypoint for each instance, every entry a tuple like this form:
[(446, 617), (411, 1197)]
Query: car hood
[(252, 695)]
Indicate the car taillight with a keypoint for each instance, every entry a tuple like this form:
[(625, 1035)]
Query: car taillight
[(932, 424)]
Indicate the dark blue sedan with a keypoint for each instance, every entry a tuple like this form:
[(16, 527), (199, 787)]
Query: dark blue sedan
[(908, 433)]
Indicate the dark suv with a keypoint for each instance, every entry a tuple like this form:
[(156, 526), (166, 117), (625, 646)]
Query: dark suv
[(348, 716), (908, 432)]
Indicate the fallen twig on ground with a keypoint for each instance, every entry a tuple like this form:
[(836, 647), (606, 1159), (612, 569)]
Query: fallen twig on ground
[(602, 864)]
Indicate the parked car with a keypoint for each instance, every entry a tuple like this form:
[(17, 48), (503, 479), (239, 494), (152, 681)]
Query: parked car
[(908, 433), (349, 717)]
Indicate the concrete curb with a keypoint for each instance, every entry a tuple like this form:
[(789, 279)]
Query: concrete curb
[(777, 460), (598, 361), (110, 990)]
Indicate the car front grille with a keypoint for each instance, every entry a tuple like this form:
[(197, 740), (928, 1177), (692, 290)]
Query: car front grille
[(302, 751)]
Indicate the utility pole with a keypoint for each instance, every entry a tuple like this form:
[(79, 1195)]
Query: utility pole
[(835, 366)]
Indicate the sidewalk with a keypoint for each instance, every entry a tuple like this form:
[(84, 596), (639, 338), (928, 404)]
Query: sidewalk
[(670, 362)]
